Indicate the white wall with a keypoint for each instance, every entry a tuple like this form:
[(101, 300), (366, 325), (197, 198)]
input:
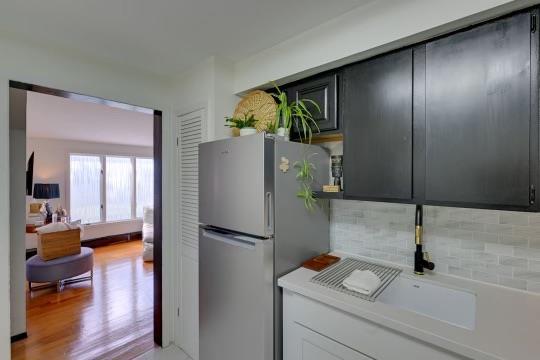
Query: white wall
[(51, 165), (371, 29), (208, 85), (29, 62), (17, 144)]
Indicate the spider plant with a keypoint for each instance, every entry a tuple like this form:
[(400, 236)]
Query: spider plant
[(305, 170), (305, 193), (304, 174), (297, 113)]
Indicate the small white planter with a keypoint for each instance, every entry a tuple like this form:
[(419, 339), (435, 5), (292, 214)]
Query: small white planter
[(284, 133), (248, 131)]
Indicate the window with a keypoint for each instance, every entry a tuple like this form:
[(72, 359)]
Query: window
[(110, 188), (145, 184), (85, 188), (119, 188)]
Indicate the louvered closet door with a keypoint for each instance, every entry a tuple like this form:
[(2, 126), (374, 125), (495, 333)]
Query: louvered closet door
[(190, 134), (190, 137)]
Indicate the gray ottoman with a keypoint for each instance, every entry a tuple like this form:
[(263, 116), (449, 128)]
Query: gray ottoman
[(59, 271)]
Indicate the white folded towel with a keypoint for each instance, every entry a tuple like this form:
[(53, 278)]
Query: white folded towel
[(60, 226), (362, 281)]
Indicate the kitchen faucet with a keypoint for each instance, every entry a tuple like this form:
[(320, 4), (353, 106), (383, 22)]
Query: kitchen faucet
[(421, 259)]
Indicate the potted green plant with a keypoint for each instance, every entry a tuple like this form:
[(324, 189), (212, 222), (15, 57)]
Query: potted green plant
[(246, 125), (294, 113)]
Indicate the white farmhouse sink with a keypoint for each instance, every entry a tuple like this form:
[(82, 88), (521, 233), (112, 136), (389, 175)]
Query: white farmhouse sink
[(453, 306)]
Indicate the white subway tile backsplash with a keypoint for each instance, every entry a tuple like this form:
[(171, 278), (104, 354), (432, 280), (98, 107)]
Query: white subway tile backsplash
[(512, 218), (528, 253), (473, 244), (473, 226), (486, 258), (534, 265), (457, 271), (499, 229), (500, 247), (513, 240), (534, 243), (486, 237), (513, 261), (485, 277)]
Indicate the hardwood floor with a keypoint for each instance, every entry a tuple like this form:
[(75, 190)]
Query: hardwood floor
[(109, 319)]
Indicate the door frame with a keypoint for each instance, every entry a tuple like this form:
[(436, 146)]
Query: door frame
[(158, 184)]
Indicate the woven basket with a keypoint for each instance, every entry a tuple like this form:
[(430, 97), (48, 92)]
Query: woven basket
[(59, 244), (261, 105)]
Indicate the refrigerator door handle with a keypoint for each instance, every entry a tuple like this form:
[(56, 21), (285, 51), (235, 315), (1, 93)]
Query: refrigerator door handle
[(240, 241), (269, 214)]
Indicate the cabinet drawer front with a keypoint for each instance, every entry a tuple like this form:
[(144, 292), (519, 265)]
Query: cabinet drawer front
[(478, 114), (377, 112)]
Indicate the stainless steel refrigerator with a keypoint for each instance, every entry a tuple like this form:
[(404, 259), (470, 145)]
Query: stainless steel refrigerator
[(253, 230)]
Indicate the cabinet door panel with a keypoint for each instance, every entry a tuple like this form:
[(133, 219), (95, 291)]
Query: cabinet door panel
[(377, 108), (313, 346), (322, 90), (478, 113)]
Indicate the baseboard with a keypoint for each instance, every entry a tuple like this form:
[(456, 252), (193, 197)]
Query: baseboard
[(18, 337), (99, 242), (113, 239)]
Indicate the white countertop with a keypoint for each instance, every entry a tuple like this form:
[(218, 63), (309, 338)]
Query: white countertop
[(507, 320)]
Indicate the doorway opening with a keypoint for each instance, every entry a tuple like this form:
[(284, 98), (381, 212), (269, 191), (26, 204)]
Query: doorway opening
[(91, 172)]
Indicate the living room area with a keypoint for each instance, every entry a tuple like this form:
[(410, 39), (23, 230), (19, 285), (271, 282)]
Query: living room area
[(82, 261)]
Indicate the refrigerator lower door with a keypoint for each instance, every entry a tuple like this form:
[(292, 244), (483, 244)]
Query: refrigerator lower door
[(235, 297)]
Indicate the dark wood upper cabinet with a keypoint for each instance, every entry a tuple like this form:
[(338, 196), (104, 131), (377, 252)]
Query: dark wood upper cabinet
[(323, 90), (377, 108), (453, 121), (481, 116)]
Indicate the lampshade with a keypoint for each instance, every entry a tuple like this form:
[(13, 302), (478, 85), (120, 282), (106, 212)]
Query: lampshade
[(46, 191)]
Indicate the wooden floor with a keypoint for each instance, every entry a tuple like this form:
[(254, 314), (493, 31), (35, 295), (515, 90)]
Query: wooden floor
[(109, 319)]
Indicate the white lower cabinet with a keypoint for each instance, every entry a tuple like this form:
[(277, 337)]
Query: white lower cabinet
[(309, 345), (316, 331)]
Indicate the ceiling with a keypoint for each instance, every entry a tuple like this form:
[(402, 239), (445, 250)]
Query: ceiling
[(54, 117), (165, 36)]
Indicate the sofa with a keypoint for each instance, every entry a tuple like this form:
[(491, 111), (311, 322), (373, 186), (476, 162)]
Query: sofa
[(148, 234)]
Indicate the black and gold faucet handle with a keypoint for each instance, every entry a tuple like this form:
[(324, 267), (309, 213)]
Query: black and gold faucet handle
[(427, 261)]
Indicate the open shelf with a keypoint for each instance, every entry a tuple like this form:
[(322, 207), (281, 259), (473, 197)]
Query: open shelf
[(318, 139), (328, 195)]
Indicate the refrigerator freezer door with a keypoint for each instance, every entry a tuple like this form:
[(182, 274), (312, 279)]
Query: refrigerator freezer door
[(235, 297), (235, 184)]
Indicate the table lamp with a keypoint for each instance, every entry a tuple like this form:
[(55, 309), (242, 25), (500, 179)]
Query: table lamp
[(46, 192)]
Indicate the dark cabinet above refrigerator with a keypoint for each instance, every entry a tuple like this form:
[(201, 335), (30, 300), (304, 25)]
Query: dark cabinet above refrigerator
[(322, 89)]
